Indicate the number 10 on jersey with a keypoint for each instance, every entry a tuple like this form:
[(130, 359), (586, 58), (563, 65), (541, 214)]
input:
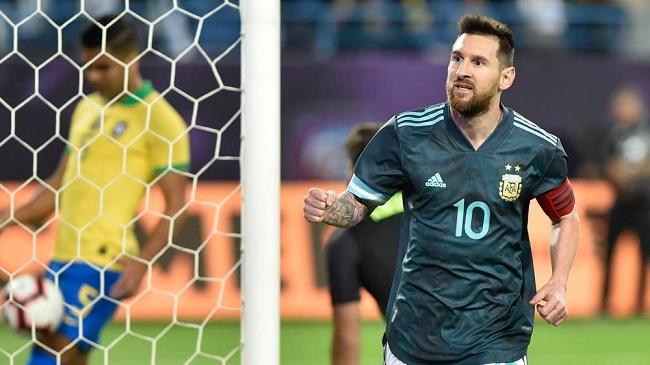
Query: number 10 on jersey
[(464, 219)]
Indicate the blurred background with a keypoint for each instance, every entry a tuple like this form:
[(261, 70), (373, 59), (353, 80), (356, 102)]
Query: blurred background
[(583, 74), (345, 61)]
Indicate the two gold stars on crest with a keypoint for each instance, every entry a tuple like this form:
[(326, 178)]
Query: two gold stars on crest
[(509, 167)]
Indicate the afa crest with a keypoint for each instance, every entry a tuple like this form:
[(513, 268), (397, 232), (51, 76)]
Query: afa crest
[(510, 187)]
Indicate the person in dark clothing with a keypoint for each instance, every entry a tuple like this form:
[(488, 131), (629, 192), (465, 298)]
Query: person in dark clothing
[(361, 257), (628, 169)]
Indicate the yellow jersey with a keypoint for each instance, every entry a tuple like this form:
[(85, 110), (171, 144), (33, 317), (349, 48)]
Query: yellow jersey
[(114, 153)]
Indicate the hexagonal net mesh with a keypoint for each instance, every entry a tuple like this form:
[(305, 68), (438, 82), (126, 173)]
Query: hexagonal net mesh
[(105, 206)]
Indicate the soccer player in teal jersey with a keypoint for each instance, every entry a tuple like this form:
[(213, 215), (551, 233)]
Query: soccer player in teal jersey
[(464, 290)]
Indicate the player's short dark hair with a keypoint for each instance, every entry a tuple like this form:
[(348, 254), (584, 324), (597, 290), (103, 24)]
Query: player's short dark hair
[(483, 25), (121, 36), (359, 138)]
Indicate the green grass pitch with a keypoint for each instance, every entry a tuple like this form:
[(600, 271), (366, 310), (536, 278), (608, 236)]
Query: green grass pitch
[(593, 342)]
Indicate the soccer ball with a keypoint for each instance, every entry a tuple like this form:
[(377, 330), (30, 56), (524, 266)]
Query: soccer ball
[(30, 301)]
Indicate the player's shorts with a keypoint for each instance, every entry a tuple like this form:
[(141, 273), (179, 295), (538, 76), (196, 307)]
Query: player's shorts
[(343, 261), (80, 285), (390, 359), (363, 256)]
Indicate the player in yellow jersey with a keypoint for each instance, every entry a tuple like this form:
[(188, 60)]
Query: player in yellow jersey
[(123, 138)]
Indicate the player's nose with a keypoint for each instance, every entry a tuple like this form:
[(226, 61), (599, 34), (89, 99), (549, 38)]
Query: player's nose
[(462, 71)]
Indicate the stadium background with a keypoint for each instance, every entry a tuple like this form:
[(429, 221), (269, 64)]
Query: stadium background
[(342, 64)]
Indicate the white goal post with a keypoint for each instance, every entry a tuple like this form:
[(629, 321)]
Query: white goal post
[(260, 178)]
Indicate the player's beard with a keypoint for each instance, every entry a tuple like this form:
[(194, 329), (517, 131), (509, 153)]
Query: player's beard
[(478, 104)]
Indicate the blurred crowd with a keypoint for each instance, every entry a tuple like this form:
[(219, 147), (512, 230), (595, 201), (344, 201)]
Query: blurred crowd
[(326, 27), (329, 26), (174, 30)]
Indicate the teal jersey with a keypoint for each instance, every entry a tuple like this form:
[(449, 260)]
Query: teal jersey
[(465, 271)]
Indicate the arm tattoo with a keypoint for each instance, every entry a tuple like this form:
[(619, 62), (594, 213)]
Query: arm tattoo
[(346, 211)]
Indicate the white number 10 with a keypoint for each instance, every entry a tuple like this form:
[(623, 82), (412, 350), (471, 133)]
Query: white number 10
[(467, 216)]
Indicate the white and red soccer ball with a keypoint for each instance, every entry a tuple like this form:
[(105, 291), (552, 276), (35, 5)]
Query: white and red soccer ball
[(30, 301)]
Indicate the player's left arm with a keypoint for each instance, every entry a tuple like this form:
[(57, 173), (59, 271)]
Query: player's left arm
[(169, 131), (173, 188), (551, 298), (559, 206)]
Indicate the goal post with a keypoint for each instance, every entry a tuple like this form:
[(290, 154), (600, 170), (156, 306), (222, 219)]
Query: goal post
[(260, 181)]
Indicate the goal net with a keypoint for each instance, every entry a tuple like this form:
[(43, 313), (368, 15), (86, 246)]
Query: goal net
[(211, 295)]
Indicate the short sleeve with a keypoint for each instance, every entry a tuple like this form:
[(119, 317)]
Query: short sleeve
[(378, 173), (555, 173), (168, 139)]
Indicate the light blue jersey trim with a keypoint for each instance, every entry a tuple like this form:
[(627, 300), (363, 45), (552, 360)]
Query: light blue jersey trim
[(524, 120), (535, 127), (426, 111), (363, 191), (421, 124), (420, 118), (532, 131)]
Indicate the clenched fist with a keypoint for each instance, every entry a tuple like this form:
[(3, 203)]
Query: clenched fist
[(551, 303), (316, 202)]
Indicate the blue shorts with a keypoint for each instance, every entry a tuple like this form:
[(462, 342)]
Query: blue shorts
[(80, 285)]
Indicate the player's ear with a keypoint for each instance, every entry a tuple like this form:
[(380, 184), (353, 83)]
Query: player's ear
[(134, 66), (506, 78)]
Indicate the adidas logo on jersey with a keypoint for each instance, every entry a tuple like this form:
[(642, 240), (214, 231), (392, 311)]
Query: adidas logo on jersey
[(435, 181)]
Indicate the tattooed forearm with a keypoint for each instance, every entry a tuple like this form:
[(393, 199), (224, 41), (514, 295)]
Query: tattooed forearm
[(346, 211)]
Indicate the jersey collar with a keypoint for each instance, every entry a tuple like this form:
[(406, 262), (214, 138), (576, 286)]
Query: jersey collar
[(145, 89), (490, 145)]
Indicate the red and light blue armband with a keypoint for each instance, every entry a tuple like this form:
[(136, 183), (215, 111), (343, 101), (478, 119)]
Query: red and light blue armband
[(558, 202)]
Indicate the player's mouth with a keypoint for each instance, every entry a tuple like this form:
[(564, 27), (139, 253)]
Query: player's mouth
[(462, 88)]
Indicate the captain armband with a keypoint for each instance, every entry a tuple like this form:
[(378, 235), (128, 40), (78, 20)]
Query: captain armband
[(558, 202)]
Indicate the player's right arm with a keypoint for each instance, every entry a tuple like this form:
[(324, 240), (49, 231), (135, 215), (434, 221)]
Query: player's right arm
[(42, 202), (378, 175), (344, 210)]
